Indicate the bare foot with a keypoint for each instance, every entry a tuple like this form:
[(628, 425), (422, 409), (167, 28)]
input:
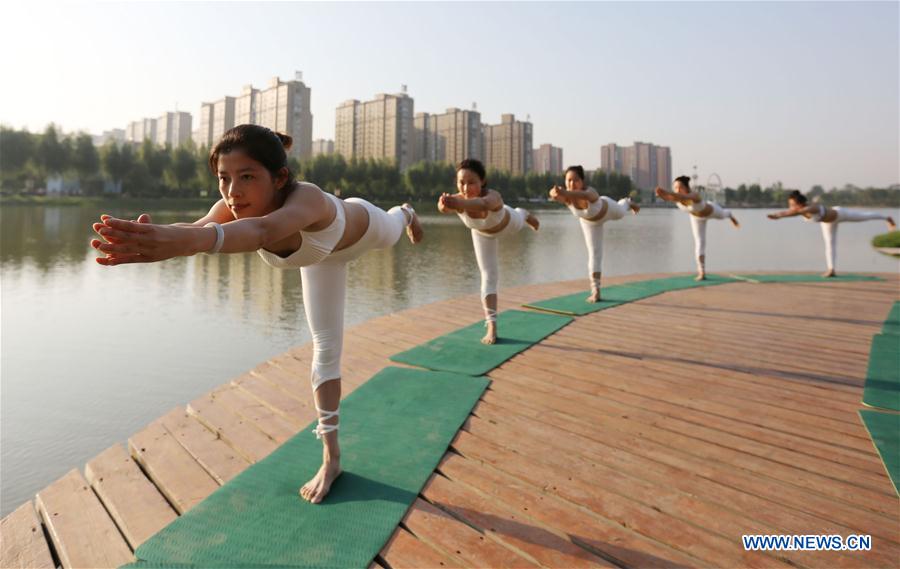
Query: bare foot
[(734, 221), (491, 336), (829, 274), (700, 277), (635, 208), (316, 489), (533, 222), (891, 225), (595, 296), (413, 228)]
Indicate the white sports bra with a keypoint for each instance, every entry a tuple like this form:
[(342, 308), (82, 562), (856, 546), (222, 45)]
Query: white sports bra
[(492, 220), (590, 211), (817, 217), (693, 207), (315, 245)]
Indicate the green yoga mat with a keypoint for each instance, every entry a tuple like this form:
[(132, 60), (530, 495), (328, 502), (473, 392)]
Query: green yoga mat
[(883, 376), (462, 351), (884, 428), (615, 295), (395, 428), (806, 278), (892, 322)]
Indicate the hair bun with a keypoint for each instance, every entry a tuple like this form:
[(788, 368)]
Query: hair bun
[(286, 140)]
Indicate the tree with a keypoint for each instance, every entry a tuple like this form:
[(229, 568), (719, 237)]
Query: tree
[(155, 161), (53, 155), (117, 161), (16, 148), (182, 167), (85, 159)]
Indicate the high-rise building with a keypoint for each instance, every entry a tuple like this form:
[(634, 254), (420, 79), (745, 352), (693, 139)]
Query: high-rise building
[(322, 146), (246, 106), (137, 131), (507, 146), (425, 141), (116, 135), (203, 135), (381, 129), (173, 129), (448, 137), (222, 119), (548, 159), (283, 106), (646, 164)]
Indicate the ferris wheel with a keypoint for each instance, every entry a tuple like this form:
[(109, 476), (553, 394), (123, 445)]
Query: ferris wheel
[(714, 188)]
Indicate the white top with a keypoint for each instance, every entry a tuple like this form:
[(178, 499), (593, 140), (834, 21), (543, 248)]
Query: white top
[(590, 211), (817, 217), (493, 219), (315, 246), (693, 207)]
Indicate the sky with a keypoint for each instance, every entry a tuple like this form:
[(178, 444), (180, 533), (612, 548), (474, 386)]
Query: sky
[(757, 92)]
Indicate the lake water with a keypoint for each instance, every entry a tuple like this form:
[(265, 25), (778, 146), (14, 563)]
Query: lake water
[(91, 355)]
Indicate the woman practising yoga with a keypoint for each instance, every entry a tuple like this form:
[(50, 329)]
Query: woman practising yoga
[(482, 210), (701, 211), (828, 217), (291, 225), (593, 211)]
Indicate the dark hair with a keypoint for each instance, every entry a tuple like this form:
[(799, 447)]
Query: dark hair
[(473, 165), (267, 147), (684, 180), (798, 197), (579, 171)]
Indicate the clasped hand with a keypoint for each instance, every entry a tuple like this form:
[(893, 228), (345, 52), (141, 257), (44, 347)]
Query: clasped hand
[(138, 241)]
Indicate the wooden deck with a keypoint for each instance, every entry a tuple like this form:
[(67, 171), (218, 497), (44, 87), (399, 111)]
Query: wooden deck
[(651, 434)]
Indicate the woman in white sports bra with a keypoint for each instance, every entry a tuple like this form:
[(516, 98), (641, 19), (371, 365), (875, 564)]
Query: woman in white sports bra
[(701, 211), (482, 210), (592, 211), (828, 217), (292, 225)]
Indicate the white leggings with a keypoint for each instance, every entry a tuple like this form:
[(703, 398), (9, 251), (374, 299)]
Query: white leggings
[(325, 288), (486, 253), (593, 235), (698, 227), (829, 230)]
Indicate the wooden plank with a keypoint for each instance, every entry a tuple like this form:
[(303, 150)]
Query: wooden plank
[(815, 481), (698, 541), (568, 520), (219, 460), (173, 470), (132, 501), (775, 419), (782, 492), (766, 505), (83, 534), (405, 551), (296, 412), (258, 414), (239, 433), (453, 538), (509, 528), (714, 428), (22, 541)]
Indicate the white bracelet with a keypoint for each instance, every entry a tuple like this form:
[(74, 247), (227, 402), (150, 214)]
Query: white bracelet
[(220, 238)]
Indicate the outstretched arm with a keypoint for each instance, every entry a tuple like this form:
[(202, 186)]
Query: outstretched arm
[(676, 197), (792, 212), (491, 202), (589, 195), (443, 206), (132, 242)]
